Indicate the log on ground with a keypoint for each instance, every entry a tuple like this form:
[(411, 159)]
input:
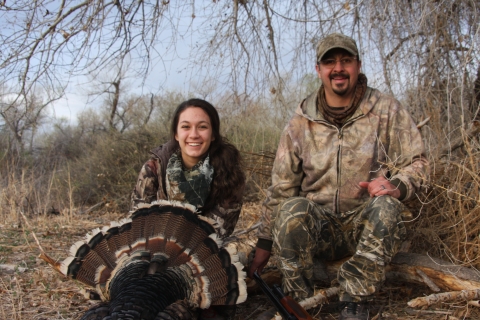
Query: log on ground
[(405, 267)]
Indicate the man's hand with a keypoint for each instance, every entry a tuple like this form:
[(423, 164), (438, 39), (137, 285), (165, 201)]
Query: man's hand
[(379, 187), (259, 261)]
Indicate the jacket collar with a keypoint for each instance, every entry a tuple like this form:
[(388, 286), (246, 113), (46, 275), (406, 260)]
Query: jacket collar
[(308, 107)]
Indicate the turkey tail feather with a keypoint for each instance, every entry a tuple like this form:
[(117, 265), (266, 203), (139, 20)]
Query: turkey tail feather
[(161, 242)]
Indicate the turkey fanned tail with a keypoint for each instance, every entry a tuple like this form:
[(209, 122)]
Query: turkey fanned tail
[(158, 264)]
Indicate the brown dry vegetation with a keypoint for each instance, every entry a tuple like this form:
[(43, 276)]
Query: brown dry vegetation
[(446, 226), (33, 290), (79, 176)]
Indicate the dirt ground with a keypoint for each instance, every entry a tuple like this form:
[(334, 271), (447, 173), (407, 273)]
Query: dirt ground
[(30, 289)]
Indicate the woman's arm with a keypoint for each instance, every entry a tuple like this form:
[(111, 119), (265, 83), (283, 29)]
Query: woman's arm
[(147, 185), (226, 216)]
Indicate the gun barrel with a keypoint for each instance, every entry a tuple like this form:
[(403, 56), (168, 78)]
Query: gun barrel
[(291, 305), (276, 301)]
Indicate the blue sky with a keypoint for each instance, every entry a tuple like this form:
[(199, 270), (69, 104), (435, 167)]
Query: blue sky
[(170, 71)]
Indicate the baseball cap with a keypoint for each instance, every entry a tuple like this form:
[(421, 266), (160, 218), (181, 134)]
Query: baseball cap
[(336, 40)]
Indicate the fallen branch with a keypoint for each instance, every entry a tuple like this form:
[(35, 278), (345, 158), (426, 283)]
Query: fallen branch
[(474, 303), (405, 267), (319, 298), (445, 275), (464, 295)]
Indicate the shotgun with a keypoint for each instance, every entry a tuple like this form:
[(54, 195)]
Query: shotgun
[(286, 306)]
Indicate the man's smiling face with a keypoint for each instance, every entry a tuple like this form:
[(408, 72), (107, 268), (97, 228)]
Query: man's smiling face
[(341, 78)]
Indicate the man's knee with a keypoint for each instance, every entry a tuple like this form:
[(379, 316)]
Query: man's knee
[(296, 208), (293, 228), (295, 205), (383, 225), (386, 207)]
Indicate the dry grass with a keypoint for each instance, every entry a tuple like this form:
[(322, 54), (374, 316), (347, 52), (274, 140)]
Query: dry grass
[(446, 226), (33, 290), (41, 293)]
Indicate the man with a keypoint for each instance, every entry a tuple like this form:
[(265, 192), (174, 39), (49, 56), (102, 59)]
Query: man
[(345, 161)]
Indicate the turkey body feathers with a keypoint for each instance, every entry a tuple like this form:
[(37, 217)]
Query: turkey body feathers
[(164, 258)]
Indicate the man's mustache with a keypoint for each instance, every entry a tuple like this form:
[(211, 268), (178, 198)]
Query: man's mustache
[(340, 74)]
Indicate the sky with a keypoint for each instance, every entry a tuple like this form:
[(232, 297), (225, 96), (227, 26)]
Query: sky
[(179, 64), (176, 66), (169, 71), (170, 74), (76, 97)]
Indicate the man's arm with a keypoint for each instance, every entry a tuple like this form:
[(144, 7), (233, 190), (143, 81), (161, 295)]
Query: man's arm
[(287, 175), (407, 163)]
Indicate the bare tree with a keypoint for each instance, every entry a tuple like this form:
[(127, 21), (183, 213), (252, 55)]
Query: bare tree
[(46, 42), (22, 117), (250, 48)]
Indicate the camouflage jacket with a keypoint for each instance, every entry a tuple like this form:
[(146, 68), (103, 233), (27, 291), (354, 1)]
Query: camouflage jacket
[(324, 163), (150, 187)]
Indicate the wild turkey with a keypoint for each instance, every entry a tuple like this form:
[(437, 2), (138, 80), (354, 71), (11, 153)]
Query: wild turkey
[(159, 264)]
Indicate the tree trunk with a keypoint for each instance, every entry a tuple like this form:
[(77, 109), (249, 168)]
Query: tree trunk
[(405, 267)]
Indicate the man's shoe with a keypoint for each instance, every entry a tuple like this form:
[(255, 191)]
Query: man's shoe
[(267, 315), (218, 313), (354, 311)]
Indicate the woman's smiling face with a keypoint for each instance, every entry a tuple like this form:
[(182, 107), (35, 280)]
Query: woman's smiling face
[(194, 135)]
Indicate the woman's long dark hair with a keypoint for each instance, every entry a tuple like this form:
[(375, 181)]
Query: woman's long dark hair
[(225, 158)]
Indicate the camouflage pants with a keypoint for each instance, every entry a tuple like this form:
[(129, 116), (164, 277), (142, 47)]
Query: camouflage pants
[(371, 235)]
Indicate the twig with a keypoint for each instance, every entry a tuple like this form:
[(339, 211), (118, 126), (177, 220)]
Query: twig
[(391, 167), (319, 298), (473, 129), (422, 123), (93, 207), (33, 233), (234, 237), (439, 312), (52, 262)]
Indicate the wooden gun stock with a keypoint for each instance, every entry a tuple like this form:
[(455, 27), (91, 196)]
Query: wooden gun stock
[(286, 306)]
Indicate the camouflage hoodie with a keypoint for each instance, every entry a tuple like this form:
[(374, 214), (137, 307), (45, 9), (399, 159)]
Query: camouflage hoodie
[(151, 186), (323, 163)]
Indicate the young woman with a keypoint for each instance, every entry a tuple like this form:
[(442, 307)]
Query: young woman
[(197, 166)]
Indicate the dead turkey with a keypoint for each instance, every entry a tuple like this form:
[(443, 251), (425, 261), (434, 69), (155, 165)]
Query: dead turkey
[(161, 263)]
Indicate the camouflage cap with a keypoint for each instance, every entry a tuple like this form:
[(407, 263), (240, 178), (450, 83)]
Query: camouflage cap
[(336, 40)]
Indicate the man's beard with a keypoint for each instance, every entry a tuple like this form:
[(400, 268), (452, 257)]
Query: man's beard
[(344, 91)]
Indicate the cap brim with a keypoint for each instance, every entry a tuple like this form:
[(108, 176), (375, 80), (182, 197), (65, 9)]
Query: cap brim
[(338, 47)]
